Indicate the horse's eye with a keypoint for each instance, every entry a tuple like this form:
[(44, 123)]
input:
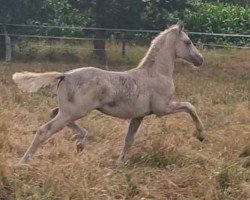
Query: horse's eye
[(188, 42)]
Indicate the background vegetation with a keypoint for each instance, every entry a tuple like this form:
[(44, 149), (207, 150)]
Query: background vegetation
[(202, 16)]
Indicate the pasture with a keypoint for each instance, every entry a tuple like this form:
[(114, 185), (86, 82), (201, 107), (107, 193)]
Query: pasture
[(166, 161)]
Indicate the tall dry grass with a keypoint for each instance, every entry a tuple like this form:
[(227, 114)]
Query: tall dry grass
[(166, 161)]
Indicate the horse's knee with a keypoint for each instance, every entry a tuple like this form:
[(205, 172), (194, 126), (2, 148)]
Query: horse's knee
[(54, 112), (190, 108), (41, 133), (45, 131)]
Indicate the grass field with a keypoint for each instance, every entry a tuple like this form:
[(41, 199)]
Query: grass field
[(166, 161)]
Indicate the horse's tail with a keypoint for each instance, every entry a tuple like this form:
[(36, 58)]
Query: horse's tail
[(32, 82)]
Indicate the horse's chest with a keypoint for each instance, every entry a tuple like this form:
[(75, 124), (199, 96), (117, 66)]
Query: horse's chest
[(161, 97)]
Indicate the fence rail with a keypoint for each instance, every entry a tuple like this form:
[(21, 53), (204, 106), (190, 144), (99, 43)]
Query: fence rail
[(124, 30), (10, 33)]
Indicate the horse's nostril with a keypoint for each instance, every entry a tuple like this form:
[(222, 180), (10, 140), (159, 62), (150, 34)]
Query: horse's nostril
[(198, 60)]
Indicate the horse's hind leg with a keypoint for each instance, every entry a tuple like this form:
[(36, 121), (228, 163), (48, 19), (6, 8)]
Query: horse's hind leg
[(43, 133), (80, 135), (79, 131)]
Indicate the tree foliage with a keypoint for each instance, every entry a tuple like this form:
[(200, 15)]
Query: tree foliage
[(138, 14), (244, 3), (227, 16), (219, 18)]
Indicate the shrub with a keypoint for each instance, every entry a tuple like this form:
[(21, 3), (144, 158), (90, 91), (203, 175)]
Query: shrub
[(218, 18)]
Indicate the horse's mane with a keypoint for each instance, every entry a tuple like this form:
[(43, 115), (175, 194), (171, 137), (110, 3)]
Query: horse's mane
[(156, 45)]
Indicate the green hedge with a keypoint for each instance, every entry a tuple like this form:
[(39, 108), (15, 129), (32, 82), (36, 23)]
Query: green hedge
[(218, 18)]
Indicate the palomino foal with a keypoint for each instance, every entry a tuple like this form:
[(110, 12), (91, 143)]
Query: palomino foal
[(133, 94)]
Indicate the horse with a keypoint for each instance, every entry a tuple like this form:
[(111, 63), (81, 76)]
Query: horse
[(133, 94)]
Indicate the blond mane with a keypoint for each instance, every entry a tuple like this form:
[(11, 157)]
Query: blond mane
[(156, 45)]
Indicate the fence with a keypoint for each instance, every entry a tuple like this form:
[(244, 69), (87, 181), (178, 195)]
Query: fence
[(18, 39)]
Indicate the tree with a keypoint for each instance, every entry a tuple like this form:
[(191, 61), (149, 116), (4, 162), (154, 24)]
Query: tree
[(126, 14), (38, 12), (108, 14), (149, 14), (244, 3), (14, 11)]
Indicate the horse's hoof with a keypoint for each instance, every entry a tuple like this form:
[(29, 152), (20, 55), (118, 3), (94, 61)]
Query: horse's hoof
[(22, 166), (120, 163), (79, 147), (201, 139), (245, 162), (200, 135)]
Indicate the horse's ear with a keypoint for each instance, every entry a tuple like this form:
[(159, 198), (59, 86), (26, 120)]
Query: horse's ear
[(180, 26)]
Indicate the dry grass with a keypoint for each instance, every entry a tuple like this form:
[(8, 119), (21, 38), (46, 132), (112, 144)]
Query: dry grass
[(166, 161), (76, 52)]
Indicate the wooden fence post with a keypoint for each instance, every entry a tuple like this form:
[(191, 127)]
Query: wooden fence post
[(123, 45), (7, 44)]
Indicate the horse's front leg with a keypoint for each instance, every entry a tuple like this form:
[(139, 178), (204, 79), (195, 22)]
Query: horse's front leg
[(133, 127), (175, 107)]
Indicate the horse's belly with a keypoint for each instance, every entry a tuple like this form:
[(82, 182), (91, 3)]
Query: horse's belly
[(123, 110)]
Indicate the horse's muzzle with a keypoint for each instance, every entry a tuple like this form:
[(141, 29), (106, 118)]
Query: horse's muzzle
[(197, 61)]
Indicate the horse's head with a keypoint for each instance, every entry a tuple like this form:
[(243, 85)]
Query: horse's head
[(184, 48)]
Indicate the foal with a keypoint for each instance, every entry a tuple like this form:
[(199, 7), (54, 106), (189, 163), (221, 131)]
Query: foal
[(133, 94)]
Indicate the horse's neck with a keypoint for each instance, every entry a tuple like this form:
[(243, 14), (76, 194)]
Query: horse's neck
[(164, 61)]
